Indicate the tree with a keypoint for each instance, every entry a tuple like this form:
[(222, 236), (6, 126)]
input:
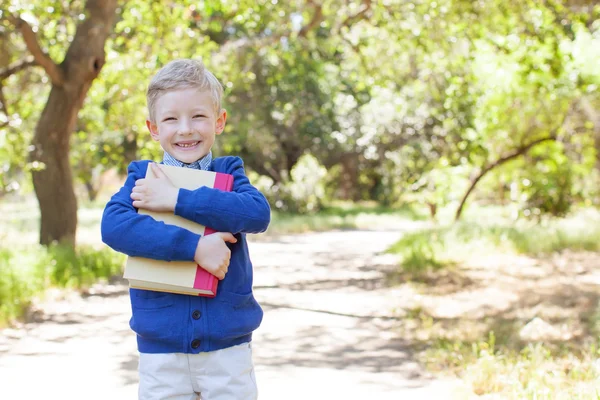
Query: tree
[(383, 94), (70, 81)]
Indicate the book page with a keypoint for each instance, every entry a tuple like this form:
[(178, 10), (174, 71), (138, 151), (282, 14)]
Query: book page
[(175, 273)]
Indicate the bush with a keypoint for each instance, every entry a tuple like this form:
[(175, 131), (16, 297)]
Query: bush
[(26, 273), (420, 251), (18, 283), (303, 192), (83, 266)]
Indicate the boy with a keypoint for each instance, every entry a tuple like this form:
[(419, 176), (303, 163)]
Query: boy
[(190, 345)]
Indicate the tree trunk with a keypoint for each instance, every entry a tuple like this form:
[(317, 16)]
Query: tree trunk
[(53, 180), (92, 191), (130, 149), (349, 176), (71, 80), (593, 116)]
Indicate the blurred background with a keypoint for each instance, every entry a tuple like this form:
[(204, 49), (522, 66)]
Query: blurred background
[(472, 126)]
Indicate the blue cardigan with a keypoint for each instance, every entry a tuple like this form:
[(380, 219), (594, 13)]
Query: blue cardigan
[(174, 323)]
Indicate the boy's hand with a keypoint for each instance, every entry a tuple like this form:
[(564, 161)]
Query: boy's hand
[(155, 194), (212, 253)]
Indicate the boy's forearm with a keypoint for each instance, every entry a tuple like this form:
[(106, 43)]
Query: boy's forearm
[(223, 211), (126, 231), (139, 235), (244, 210)]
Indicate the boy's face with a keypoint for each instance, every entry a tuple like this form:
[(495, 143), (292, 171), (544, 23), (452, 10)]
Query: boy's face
[(186, 123)]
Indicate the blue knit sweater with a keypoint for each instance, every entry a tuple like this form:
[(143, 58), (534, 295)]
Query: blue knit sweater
[(173, 323)]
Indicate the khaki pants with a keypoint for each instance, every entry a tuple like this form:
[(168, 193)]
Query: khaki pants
[(226, 374)]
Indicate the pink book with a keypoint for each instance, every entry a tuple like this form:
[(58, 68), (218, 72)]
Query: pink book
[(178, 276)]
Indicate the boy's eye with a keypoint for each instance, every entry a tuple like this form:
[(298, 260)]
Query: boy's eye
[(199, 116), (169, 119)]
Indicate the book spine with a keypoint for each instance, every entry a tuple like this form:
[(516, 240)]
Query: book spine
[(223, 182), (205, 280)]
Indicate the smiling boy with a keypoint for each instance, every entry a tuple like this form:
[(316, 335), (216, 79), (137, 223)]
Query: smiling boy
[(191, 346)]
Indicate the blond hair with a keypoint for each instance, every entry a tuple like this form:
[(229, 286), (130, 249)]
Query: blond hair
[(183, 74)]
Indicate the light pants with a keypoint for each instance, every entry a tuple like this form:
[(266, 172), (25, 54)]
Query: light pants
[(226, 374)]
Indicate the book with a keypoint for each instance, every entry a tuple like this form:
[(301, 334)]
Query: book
[(181, 277)]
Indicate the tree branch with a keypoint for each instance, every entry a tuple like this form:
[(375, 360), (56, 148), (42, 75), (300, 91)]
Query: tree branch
[(3, 107), (315, 21), (560, 19), (516, 153), (356, 49), (16, 67), (266, 170), (41, 58), (259, 42), (351, 19)]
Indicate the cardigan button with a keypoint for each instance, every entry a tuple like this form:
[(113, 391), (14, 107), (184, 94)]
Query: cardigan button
[(196, 314), (195, 344)]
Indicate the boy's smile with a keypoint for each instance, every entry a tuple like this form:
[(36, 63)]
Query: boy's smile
[(186, 123)]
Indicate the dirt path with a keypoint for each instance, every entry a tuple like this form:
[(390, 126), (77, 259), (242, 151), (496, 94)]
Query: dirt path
[(329, 331)]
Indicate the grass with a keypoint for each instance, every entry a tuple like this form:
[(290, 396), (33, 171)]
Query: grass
[(343, 216), (437, 247), (497, 365), (537, 371), (487, 353), (25, 273)]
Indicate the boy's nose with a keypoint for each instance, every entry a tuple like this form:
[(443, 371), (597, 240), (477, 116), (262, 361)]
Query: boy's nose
[(185, 127)]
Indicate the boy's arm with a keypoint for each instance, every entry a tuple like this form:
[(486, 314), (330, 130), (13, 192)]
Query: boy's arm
[(243, 210), (140, 235)]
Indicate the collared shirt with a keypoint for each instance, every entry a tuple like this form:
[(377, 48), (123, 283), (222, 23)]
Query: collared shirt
[(203, 163)]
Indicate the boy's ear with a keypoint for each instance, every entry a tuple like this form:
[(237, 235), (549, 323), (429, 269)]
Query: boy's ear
[(220, 123), (153, 129)]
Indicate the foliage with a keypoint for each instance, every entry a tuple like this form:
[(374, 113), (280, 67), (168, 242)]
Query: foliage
[(439, 187), (401, 102), (549, 187), (303, 192), (27, 273), (83, 266)]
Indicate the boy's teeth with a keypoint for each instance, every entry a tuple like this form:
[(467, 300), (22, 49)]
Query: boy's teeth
[(187, 144)]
